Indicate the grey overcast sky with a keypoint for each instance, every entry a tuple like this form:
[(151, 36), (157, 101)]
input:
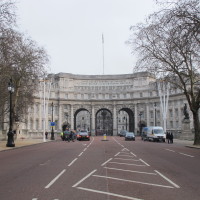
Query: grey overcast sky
[(71, 32)]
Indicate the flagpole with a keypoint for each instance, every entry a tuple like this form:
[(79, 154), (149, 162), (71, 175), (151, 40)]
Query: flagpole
[(103, 51)]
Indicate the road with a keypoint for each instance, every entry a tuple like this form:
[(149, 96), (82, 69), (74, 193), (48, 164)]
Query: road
[(100, 170)]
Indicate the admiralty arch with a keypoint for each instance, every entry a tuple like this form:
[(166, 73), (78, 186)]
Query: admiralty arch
[(102, 104)]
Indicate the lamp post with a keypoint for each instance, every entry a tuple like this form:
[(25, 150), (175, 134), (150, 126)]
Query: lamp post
[(140, 114), (52, 124), (10, 141), (155, 114)]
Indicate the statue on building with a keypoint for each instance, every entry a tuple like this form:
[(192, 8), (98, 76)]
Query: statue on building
[(185, 112)]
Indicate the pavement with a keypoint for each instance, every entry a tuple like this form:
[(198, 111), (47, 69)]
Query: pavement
[(21, 142)]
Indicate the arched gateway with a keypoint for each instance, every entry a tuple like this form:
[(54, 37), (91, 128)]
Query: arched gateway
[(101, 103)]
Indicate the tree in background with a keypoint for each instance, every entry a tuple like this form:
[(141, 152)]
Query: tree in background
[(168, 45), (20, 60)]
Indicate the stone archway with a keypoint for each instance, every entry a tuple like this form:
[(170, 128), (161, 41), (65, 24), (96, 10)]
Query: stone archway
[(127, 119), (104, 122), (82, 119)]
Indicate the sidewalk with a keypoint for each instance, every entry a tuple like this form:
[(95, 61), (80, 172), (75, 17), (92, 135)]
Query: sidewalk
[(21, 143)]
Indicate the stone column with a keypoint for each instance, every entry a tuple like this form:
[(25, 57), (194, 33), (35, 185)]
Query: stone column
[(93, 121), (136, 119), (60, 119), (72, 117), (147, 110), (114, 120)]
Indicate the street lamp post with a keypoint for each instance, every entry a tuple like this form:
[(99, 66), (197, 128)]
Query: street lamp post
[(10, 141), (140, 114), (155, 113), (52, 124)]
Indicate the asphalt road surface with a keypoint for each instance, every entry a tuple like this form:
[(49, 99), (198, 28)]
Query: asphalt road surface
[(100, 170)]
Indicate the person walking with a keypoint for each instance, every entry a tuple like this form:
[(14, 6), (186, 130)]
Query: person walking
[(171, 138), (46, 134), (168, 137)]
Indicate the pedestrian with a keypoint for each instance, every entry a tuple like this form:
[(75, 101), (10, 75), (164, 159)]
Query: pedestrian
[(46, 134), (62, 136), (171, 138), (168, 137)]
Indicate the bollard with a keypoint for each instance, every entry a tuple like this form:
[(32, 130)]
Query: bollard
[(104, 137)]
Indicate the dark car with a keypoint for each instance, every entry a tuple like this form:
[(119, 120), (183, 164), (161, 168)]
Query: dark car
[(83, 135), (130, 136), (122, 133)]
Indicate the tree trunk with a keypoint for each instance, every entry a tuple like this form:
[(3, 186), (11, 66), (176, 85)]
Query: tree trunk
[(196, 128)]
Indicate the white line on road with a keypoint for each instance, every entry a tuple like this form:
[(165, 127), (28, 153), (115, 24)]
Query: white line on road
[(125, 153), (85, 149), (108, 193), (125, 170), (127, 156), (34, 199), (133, 154), (117, 154), (72, 162), (125, 149), (186, 155), (130, 181), (75, 185), (127, 164), (126, 159), (80, 154), (55, 179), (174, 184), (170, 150), (144, 162), (106, 161)]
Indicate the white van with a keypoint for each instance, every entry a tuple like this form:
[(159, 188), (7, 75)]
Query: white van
[(155, 133)]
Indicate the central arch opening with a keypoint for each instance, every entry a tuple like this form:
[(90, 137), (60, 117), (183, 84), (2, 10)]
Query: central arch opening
[(104, 122)]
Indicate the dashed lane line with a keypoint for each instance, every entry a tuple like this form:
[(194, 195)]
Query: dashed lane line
[(117, 154), (80, 154), (108, 193), (130, 181), (126, 170), (186, 155), (71, 163), (174, 184), (106, 162), (170, 150), (126, 156), (87, 176), (55, 179)]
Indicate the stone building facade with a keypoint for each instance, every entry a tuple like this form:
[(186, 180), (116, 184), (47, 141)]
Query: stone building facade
[(102, 103)]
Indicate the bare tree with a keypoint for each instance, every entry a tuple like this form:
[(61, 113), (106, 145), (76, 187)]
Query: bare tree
[(169, 46)]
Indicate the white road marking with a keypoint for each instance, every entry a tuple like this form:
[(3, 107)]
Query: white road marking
[(144, 162), (130, 181), (79, 182), (34, 199), (126, 156), (133, 154), (175, 185), (126, 153), (125, 149), (117, 154), (125, 170), (108, 193), (85, 149), (45, 162), (125, 159), (106, 161), (127, 164), (72, 162), (55, 179), (170, 150), (186, 155), (80, 154)]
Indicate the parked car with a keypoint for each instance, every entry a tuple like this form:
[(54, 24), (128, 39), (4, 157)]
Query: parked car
[(130, 136), (83, 135), (122, 133)]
